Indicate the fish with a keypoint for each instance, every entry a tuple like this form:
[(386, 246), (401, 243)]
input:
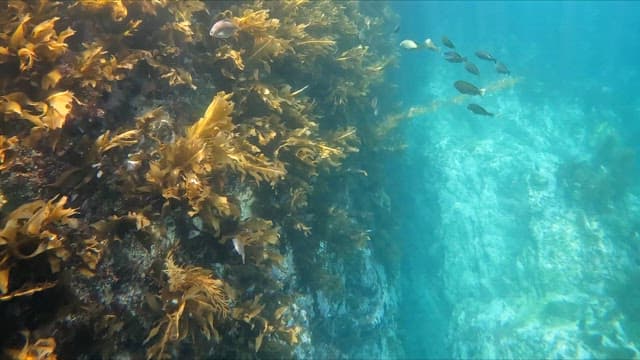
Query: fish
[(238, 246), (408, 44), (429, 44), (448, 43), (485, 56), (477, 109), (374, 105), (468, 88), (396, 29), (471, 67), (454, 57), (502, 68), (223, 29)]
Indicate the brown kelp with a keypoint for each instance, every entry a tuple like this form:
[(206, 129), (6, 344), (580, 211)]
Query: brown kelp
[(130, 137)]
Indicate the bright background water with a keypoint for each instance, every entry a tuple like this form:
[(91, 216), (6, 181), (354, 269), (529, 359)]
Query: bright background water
[(521, 231)]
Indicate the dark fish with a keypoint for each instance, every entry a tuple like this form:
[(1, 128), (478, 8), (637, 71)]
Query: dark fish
[(448, 43), (223, 29), (471, 67), (454, 57), (477, 109), (485, 56), (502, 68), (468, 88)]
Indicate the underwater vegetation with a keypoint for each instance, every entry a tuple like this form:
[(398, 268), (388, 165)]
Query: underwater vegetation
[(167, 193)]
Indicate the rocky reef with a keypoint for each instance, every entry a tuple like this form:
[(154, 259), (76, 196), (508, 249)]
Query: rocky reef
[(538, 227), (170, 194)]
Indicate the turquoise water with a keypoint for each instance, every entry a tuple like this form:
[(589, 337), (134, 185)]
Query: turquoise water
[(521, 231)]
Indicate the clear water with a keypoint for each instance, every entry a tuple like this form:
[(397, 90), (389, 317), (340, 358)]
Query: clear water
[(521, 229)]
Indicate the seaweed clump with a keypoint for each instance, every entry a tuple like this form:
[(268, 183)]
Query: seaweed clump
[(30, 231), (193, 298), (146, 135)]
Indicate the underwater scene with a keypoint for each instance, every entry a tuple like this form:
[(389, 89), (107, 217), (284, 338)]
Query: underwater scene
[(315, 179)]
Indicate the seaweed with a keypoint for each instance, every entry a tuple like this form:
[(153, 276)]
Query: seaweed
[(31, 230), (51, 113), (98, 100), (193, 299), (40, 349)]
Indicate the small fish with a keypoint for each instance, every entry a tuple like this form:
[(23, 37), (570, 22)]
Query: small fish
[(471, 67), (374, 105), (448, 43), (477, 109), (408, 44), (223, 29), (429, 44), (238, 246), (297, 92), (396, 29), (468, 88), (502, 68), (485, 56), (454, 57)]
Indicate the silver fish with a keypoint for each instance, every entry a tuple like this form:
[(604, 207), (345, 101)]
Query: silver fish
[(408, 44), (430, 45), (374, 106), (238, 246), (223, 29)]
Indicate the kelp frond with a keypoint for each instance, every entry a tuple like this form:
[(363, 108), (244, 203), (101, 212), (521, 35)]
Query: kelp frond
[(105, 142), (51, 113), (256, 22), (195, 299), (31, 230), (42, 43), (116, 7), (96, 68), (41, 349), (7, 146), (217, 118), (210, 145), (314, 152)]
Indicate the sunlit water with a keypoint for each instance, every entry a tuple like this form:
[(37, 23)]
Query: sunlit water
[(521, 229)]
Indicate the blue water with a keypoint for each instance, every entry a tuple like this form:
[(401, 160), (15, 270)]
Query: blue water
[(521, 230), (571, 47)]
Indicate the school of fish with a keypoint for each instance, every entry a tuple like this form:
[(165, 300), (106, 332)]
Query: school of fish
[(452, 56)]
